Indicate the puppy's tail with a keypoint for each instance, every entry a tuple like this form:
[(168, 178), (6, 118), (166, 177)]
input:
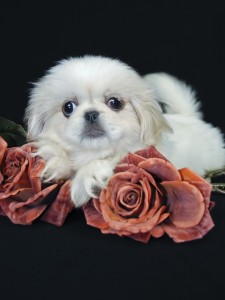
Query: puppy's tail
[(175, 96)]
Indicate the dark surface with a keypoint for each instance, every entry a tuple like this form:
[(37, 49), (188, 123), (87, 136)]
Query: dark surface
[(76, 261)]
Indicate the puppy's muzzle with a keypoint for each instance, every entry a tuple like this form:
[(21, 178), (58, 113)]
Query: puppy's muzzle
[(92, 128)]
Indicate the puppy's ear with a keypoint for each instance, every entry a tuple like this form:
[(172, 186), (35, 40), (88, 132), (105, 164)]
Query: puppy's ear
[(34, 124), (34, 116), (153, 123)]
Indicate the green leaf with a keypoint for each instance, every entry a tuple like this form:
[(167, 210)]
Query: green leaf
[(15, 135)]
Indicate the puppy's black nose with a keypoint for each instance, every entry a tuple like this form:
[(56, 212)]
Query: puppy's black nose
[(91, 116)]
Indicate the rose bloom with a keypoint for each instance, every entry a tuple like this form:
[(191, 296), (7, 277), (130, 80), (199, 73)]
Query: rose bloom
[(23, 198), (147, 196)]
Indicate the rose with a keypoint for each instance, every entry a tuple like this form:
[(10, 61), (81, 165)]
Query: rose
[(147, 196), (23, 198)]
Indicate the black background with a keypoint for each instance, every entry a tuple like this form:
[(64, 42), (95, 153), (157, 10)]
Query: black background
[(76, 261)]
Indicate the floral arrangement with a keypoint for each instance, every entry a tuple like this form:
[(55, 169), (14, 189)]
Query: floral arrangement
[(146, 197)]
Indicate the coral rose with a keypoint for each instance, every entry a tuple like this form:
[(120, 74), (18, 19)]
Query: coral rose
[(147, 196), (23, 198)]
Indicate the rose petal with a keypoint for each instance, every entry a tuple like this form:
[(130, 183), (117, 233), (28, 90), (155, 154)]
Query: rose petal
[(189, 175), (35, 174), (3, 147), (187, 234), (150, 152), (124, 209), (137, 157), (155, 204), (60, 208), (141, 237), (8, 186), (35, 200), (21, 180), (24, 215), (96, 204), (146, 197), (164, 170), (21, 195), (140, 173), (1, 178), (28, 148), (158, 231), (2, 212), (132, 159), (128, 197), (93, 216), (185, 202), (133, 225), (204, 186), (24, 192), (24, 212), (118, 177), (115, 184)]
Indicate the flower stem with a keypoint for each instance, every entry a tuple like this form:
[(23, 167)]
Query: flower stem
[(215, 173), (216, 186)]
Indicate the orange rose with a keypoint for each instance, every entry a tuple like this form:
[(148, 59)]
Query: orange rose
[(147, 196), (22, 195)]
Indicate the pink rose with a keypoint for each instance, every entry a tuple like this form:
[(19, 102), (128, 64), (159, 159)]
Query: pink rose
[(23, 198), (147, 196)]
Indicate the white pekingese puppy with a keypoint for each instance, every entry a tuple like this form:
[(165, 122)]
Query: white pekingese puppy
[(87, 113)]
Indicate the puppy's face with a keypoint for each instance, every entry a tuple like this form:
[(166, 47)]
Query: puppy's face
[(98, 120), (93, 103)]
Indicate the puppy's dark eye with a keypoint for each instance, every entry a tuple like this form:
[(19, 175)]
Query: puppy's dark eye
[(115, 103), (68, 108)]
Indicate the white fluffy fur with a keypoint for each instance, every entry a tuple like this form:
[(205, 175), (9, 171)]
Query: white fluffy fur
[(89, 161)]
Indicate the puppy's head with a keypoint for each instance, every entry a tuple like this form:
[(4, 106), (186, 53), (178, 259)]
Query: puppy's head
[(95, 103)]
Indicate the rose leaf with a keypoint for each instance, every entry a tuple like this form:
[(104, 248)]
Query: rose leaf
[(14, 134)]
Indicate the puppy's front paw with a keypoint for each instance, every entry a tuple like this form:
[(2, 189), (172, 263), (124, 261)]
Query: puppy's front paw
[(90, 180), (57, 163), (79, 195), (56, 169)]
